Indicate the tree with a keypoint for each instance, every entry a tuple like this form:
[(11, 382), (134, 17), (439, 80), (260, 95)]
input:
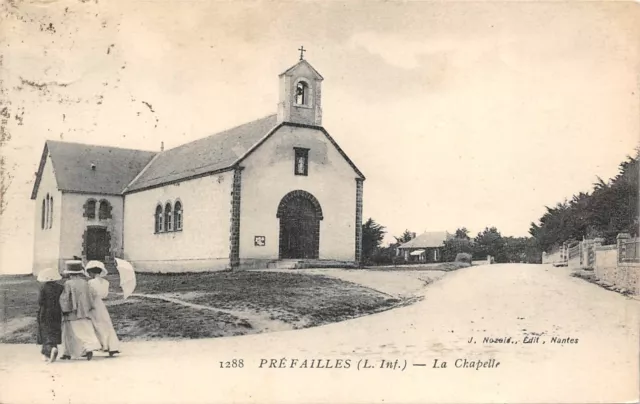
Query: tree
[(522, 249), (406, 237), (460, 243), (454, 246), (372, 236), (490, 242), (611, 208), (462, 234)]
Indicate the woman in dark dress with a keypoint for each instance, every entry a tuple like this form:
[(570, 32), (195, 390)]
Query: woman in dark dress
[(49, 313)]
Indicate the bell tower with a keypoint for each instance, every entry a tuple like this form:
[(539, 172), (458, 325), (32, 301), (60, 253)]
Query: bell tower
[(300, 94)]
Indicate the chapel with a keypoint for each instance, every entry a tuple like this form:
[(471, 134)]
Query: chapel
[(274, 191)]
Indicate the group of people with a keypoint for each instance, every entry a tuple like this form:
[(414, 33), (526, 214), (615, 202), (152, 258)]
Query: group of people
[(74, 314)]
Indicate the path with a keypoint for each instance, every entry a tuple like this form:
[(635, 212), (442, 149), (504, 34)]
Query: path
[(395, 283), (488, 301), (260, 321)]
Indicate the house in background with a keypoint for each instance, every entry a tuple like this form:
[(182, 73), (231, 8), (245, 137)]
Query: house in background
[(427, 247), (274, 189)]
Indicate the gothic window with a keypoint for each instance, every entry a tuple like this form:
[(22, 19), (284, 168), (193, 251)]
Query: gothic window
[(168, 223), (301, 162), (44, 214), (104, 210), (177, 216), (158, 218), (50, 212), (302, 93), (90, 209)]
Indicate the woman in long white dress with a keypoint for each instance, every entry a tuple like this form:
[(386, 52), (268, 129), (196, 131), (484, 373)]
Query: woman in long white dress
[(78, 335), (100, 315)]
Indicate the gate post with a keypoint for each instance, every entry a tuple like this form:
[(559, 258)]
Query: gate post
[(621, 241), (597, 243)]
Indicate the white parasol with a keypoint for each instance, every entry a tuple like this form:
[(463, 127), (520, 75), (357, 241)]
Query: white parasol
[(127, 277)]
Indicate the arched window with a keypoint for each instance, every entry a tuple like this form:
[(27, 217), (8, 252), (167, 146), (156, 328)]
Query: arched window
[(50, 212), (104, 210), (46, 215), (302, 93), (158, 217), (44, 207), (168, 222), (90, 209), (177, 216)]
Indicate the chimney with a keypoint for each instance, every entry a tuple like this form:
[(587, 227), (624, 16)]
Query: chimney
[(161, 146), (93, 166)]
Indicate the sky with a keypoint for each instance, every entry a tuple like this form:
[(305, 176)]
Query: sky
[(459, 114)]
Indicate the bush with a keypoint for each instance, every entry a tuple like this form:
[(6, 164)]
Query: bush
[(463, 257)]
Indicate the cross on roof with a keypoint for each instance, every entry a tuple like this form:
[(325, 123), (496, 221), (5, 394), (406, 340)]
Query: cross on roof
[(302, 50)]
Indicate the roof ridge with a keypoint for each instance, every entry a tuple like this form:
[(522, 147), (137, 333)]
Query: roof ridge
[(97, 145)]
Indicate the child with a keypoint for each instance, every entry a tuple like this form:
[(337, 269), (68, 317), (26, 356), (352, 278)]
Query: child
[(79, 337), (49, 314), (100, 316)]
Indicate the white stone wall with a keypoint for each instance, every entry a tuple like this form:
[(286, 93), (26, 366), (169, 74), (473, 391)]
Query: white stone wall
[(622, 275), (46, 243), (74, 223), (203, 244), (268, 176)]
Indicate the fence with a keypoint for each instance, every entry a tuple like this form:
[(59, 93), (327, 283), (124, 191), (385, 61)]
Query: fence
[(574, 252), (630, 249), (617, 264)]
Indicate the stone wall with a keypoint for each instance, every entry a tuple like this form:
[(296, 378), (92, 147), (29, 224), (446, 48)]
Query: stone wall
[(616, 266), (621, 275)]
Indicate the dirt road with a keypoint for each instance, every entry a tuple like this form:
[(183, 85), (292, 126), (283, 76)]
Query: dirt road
[(594, 357)]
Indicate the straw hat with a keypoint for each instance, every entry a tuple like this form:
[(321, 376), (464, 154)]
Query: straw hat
[(96, 264), (74, 267), (49, 275)]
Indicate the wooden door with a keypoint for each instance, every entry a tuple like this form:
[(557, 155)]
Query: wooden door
[(299, 230), (97, 243)]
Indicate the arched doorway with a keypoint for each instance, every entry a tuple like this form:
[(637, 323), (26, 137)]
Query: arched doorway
[(300, 214)]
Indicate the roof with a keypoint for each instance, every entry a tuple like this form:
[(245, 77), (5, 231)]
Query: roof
[(121, 170), (115, 168), (213, 153), (427, 240), (302, 63)]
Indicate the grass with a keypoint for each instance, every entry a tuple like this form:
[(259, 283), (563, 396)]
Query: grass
[(147, 319), (295, 298), (298, 299), (19, 297)]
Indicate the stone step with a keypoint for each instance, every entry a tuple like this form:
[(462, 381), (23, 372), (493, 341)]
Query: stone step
[(282, 264), (324, 264), (308, 263)]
